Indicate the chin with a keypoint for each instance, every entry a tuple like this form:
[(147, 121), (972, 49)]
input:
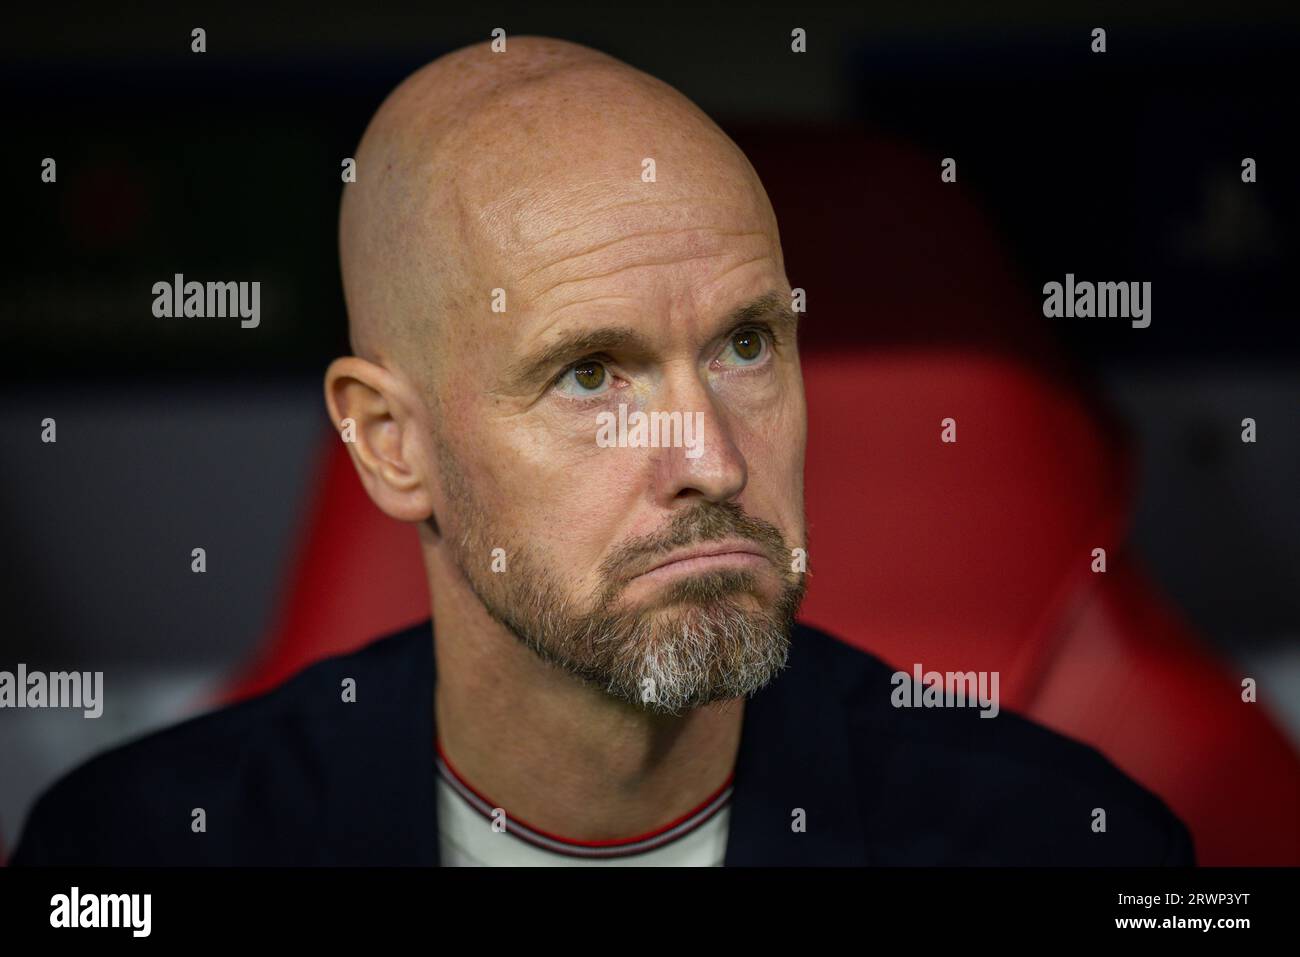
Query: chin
[(703, 595)]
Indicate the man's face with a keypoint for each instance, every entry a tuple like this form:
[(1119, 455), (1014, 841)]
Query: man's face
[(661, 298)]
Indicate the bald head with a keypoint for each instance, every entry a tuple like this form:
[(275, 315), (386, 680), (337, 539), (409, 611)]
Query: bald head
[(480, 158), (538, 241)]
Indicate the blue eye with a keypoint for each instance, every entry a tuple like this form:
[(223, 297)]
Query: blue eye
[(585, 378), (749, 346)]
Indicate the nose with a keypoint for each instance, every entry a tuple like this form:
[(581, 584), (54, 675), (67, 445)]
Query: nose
[(707, 463)]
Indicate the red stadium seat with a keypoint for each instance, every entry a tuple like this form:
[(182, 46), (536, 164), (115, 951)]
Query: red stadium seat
[(973, 555)]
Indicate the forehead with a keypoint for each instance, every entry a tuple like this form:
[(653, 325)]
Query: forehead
[(565, 218), (706, 236), (599, 231)]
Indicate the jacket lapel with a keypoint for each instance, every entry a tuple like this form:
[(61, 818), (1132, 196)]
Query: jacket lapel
[(795, 755), (379, 778)]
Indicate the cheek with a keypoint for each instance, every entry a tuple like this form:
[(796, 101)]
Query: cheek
[(773, 445), (773, 436), (777, 482), (556, 493)]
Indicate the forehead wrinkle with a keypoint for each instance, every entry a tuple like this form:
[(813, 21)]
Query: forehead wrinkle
[(601, 214), (648, 234), (639, 265), (543, 204), (769, 304), (683, 212), (586, 302)]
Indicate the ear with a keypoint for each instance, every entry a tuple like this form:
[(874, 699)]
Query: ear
[(378, 418)]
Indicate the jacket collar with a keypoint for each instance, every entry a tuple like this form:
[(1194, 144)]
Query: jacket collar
[(795, 799)]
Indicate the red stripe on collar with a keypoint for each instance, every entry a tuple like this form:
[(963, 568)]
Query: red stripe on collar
[(674, 830)]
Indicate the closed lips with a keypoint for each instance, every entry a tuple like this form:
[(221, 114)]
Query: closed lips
[(728, 553)]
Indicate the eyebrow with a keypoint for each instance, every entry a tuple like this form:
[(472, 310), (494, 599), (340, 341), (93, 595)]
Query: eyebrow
[(571, 347), (770, 306)]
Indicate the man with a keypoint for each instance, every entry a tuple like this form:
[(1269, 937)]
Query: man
[(575, 368)]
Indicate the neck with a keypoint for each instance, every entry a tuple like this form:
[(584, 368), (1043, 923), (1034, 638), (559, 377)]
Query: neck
[(555, 751)]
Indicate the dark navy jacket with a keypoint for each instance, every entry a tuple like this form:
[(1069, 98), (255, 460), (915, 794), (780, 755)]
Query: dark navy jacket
[(297, 776)]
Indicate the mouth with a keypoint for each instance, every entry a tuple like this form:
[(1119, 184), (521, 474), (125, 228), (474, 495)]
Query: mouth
[(732, 553)]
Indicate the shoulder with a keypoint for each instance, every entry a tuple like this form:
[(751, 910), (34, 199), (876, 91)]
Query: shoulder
[(258, 762), (944, 784)]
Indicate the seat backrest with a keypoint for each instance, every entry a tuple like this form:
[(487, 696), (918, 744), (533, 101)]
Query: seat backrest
[(355, 575), (968, 555), (955, 555)]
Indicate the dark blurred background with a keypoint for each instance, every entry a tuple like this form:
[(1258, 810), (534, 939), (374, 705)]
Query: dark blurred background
[(226, 165)]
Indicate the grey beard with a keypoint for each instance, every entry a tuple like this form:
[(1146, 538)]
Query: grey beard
[(695, 646)]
